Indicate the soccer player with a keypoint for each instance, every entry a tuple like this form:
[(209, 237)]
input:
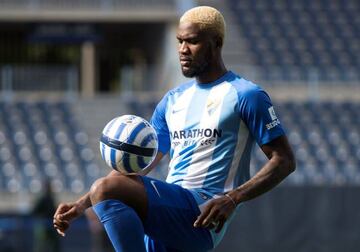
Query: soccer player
[(209, 126)]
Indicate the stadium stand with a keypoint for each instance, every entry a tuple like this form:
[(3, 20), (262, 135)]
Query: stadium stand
[(286, 39), (304, 53), (290, 40), (43, 140), (84, 4), (325, 137)]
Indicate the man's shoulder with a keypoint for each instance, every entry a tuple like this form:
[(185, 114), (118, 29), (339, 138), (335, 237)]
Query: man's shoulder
[(244, 87), (181, 88)]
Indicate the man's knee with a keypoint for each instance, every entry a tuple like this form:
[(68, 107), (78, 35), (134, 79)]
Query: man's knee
[(100, 190), (124, 188)]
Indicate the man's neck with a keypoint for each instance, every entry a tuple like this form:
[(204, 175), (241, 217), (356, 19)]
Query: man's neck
[(213, 74)]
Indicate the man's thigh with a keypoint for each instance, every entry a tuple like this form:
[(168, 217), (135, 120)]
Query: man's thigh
[(129, 189), (172, 211)]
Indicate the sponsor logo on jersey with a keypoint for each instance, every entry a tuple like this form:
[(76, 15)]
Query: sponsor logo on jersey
[(272, 113), (273, 124), (275, 120), (196, 133)]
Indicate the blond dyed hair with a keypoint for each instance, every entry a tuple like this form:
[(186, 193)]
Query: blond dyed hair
[(208, 18)]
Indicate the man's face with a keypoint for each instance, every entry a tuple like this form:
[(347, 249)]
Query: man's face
[(195, 49)]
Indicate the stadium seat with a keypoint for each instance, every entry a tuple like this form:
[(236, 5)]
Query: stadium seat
[(321, 36), (42, 140), (326, 150), (56, 147)]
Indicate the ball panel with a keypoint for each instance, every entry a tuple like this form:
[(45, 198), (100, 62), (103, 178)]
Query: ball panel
[(119, 130), (108, 126), (129, 143), (133, 163), (131, 123), (126, 162), (141, 134), (143, 162), (134, 133), (129, 148), (113, 158), (149, 140), (102, 150), (116, 129)]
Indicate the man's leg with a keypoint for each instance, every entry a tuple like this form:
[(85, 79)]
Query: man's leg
[(172, 211), (120, 202), (167, 213)]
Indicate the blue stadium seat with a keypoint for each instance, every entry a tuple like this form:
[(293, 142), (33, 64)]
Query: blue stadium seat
[(325, 137), (40, 140), (318, 35)]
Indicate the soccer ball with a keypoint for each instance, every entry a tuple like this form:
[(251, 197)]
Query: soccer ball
[(128, 143)]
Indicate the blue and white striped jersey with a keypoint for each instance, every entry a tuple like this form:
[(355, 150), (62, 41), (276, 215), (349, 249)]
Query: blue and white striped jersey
[(210, 130)]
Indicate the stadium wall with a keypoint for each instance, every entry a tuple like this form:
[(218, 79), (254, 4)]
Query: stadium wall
[(298, 219)]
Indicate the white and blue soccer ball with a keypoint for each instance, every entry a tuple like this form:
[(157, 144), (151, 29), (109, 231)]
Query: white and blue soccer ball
[(128, 144)]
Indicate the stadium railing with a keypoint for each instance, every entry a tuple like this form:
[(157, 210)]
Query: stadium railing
[(38, 78), (83, 4)]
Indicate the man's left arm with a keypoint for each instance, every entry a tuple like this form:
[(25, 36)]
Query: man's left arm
[(280, 164)]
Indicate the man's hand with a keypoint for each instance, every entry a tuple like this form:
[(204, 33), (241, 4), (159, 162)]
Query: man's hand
[(64, 214), (215, 214)]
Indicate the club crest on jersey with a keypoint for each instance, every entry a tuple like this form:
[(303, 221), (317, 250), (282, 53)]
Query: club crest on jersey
[(212, 105)]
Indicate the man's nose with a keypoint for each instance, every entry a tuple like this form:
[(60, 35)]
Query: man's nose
[(183, 48)]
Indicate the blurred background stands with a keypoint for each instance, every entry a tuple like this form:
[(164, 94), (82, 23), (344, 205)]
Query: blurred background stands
[(67, 67)]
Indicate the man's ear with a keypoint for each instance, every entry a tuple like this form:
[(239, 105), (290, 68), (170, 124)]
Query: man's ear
[(219, 42)]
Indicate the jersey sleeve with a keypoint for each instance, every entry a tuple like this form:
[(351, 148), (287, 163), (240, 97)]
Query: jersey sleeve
[(258, 113), (158, 121)]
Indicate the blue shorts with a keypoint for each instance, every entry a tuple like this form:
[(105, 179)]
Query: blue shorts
[(172, 211)]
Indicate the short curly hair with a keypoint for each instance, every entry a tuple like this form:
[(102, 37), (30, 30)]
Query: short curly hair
[(208, 18)]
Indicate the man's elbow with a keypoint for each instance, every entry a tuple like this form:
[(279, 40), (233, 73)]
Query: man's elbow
[(289, 164), (292, 165)]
